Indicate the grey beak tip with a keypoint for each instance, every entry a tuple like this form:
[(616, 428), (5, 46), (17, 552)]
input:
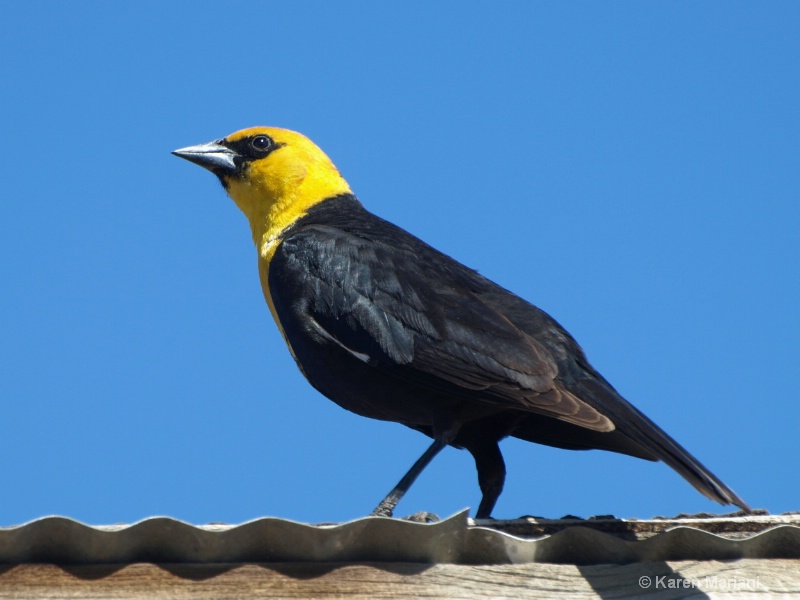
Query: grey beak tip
[(212, 156)]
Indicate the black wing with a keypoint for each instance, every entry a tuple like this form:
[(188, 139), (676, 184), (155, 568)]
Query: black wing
[(397, 304)]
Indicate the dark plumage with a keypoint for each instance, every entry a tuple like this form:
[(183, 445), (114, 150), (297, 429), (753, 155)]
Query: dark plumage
[(390, 328)]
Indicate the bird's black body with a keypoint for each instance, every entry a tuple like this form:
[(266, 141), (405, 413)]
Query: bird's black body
[(389, 328)]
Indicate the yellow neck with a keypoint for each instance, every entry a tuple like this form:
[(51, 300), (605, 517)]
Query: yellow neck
[(273, 197)]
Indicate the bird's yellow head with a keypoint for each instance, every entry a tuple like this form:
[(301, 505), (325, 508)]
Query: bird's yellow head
[(273, 175)]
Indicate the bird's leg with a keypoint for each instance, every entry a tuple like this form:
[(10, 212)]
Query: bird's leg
[(491, 475), (387, 505)]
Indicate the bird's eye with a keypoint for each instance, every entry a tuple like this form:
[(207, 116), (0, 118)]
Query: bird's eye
[(261, 143)]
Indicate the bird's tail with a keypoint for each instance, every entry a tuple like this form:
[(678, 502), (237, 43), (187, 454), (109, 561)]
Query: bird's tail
[(633, 423)]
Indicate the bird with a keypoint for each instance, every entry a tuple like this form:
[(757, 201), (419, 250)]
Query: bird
[(390, 328)]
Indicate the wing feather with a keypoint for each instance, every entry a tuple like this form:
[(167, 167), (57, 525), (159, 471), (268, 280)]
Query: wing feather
[(422, 316)]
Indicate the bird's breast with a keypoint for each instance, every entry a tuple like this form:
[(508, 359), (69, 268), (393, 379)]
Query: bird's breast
[(263, 275)]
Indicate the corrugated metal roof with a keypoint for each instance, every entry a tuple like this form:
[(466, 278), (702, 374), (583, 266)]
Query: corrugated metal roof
[(456, 540)]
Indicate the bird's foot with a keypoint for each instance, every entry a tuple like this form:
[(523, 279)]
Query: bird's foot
[(384, 509), (422, 517)]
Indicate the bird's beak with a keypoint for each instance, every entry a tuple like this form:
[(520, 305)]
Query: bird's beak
[(212, 156)]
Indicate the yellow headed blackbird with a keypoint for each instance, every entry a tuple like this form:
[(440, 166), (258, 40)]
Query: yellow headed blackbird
[(390, 328)]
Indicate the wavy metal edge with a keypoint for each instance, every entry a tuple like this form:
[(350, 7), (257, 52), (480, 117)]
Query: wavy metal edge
[(64, 541), (582, 545)]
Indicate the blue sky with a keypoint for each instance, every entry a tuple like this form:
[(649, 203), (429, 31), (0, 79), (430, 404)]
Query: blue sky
[(630, 167)]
